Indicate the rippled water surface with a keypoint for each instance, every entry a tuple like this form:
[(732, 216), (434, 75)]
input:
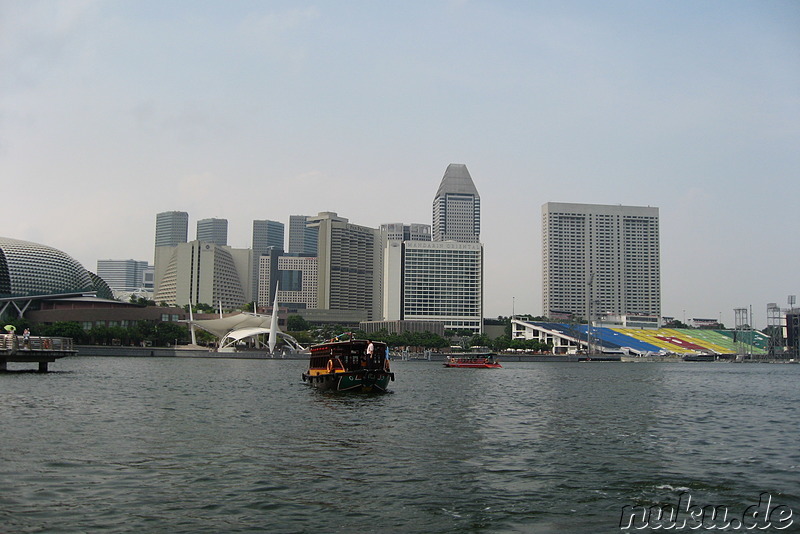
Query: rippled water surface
[(225, 445)]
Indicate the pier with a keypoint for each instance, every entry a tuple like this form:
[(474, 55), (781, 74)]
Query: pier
[(36, 349)]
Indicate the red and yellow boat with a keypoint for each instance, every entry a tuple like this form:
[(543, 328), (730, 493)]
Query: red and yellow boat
[(473, 361)]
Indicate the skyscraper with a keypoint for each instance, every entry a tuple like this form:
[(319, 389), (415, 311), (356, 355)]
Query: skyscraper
[(599, 259), (349, 264), (266, 235), (172, 228), (439, 279), (213, 231), (123, 275), (302, 239), (457, 207), (435, 281), (204, 273)]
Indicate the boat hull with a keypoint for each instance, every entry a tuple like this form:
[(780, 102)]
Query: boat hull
[(473, 362), (366, 381), (475, 365)]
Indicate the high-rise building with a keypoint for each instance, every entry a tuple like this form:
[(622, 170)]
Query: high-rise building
[(302, 238), (349, 260), (213, 231), (439, 279), (600, 260), (266, 235), (172, 228), (406, 232), (204, 273), (457, 207), (434, 281), (124, 275), (298, 281)]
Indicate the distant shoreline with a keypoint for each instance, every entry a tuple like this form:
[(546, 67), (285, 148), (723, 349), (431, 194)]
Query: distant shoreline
[(187, 352)]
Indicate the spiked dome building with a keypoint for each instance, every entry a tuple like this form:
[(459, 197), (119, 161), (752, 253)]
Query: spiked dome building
[(31, 272)]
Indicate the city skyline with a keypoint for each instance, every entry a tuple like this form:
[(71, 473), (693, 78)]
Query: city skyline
[(113, 112)]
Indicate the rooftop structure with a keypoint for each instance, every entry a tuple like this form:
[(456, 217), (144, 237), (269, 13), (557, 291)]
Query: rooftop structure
[(457, 207)]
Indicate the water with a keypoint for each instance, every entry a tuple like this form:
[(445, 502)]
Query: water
[(223, 445)]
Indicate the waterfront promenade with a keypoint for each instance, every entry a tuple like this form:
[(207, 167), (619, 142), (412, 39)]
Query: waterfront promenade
[(36, 349)]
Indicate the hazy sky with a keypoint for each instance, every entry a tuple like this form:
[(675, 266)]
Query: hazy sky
[(113, 111)]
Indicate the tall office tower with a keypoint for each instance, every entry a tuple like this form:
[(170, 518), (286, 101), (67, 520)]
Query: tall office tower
[(302, 239), (266, 235), (434, 281), (123, 275), (600, 259), (213, 231), (204, 273), (457, 207), (172, 228), (349, 260), (406, 232)]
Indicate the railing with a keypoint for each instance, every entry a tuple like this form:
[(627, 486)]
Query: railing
[(13, 343)]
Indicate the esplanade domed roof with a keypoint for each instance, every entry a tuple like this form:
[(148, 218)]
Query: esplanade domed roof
[(29, 269)]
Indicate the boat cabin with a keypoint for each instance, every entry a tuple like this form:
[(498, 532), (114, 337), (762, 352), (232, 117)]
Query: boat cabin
[(347, 356)]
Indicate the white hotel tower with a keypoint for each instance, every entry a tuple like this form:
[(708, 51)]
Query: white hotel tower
[(442, 279), (600, 260)]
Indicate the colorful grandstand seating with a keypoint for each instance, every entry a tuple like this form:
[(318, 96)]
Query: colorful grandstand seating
[(673, 340)]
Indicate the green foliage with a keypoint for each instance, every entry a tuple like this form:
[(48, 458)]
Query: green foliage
[(295, 323), (675, 323), (62, 329), (427, 340), (169, 333), (158, 334)]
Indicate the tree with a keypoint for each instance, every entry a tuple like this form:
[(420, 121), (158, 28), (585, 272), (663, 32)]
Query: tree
[(64, 329), (169, 333), (296, 323), (99, 335)]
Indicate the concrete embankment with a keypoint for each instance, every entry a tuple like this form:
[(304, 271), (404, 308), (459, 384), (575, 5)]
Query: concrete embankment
[(178, 352)]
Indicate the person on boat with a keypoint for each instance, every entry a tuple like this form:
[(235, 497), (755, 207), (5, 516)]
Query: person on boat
[(370, 351)]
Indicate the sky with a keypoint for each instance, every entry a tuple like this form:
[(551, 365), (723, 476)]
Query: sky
[(114, 111)]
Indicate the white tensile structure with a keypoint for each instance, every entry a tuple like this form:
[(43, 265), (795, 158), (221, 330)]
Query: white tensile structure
[(232, 329)]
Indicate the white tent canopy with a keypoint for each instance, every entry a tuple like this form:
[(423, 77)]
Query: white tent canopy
[(235, 328)]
